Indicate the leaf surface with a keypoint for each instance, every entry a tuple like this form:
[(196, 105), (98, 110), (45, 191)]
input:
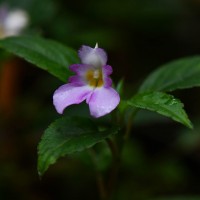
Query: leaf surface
[(45, 54), (68, 135), (178, 74), (163, 104)]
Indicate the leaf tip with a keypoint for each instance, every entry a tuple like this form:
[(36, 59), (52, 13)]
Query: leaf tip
[(40, 175), (190, 125)]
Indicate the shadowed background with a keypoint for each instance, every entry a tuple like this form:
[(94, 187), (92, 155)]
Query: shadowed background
[(162, 159)]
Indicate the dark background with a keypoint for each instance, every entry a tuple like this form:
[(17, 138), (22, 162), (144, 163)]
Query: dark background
[(162, 159)]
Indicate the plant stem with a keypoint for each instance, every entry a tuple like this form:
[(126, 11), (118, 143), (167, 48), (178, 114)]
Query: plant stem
[(114, 167), (106, 190), (101, 186), (99, 176), (129, 124), (113, 148)]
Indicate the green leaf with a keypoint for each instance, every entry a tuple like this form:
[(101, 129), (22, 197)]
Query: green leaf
[(68, 135), (179, 74), (163, 104), (45, 54), (120, 86)]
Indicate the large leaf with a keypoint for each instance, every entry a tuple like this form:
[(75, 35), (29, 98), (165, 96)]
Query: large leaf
[(46, 54), (163, 104), (179, 74), (68, 135)]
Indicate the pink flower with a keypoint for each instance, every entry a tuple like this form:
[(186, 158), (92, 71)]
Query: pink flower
[(91, 83)]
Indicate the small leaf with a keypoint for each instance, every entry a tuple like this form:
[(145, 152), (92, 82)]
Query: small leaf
[(120, 86), (68, 135), (163, 104), (179, 74), (45, 54)]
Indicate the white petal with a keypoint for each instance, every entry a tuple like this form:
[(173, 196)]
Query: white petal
[(15, 22), (93, 56)]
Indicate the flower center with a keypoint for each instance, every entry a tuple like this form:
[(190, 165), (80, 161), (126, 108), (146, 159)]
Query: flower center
[(94, 77)]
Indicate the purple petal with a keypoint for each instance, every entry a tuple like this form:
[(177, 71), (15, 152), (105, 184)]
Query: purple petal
[(107, 82), (77, 80), (3, 13), (80, 69), (96, 57), (103, 101), (69, 94), (107, 70)]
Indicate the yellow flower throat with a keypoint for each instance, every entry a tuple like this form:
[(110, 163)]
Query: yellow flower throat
[(94, 77)]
